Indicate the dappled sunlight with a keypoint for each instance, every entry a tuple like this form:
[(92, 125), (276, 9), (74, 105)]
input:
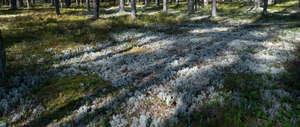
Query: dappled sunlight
[(161, 69)]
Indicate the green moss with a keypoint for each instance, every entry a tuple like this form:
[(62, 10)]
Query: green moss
[(59, 92)]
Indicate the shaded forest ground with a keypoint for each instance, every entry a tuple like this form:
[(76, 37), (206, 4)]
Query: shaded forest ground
[(36, 40)]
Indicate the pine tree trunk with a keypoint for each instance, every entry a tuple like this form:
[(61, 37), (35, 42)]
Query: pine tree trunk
[(13, 4), (205, 3), (20, 3), (28, 2), (57, 7), (257, 4), (68, 3), (2, 58), (88, 6), (121, 6), (96, 9), (128, 2), (52, 2), (214, 8), (165, 6), (197, 5), (157, 3), (146, 3), (190, 6), (133, 10), (265, 11)]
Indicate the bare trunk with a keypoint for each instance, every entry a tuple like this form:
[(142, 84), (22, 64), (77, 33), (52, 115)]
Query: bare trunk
[(57, 7), (197, 5), (29, 3), (157, 3), (133, 10), (88, 6), (68, 3), (265, 11), (96, 9), (146, 3), (190, 6), (214, 8), (205, 3), (20, 3), (122, 4), (2, 58), (165, 8), (177, 2), (257, 4), (13, 4)]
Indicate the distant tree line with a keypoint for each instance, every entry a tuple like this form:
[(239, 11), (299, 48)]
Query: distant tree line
[(193, 5)]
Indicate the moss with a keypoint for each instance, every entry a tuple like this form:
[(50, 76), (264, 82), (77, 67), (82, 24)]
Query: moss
[(59, 92)]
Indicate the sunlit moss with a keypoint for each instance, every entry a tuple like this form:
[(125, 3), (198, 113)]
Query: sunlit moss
[(61, 91)]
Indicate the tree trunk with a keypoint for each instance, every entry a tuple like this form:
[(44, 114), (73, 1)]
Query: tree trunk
[(52, 2), (165, 6), (265, 11), (157, 3), (2, 58), (257, 4), (299, 4), (121, 6), (249, 2), (88, 6), (20, 3), (133, 10), (33, 2), (205, 3), (28, 2), (177, 2), (68, 3), (214, 8), (190, 6), (96, 9), (57, 7), (13, 4), (146, 3), (197, 5), (128, 2)]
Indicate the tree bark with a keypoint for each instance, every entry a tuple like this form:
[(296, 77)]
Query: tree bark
[(20, 3), (190, 6), (57, 7), (205, 3), (157, 3), (13, 4), (2, 58), (197, 5), (121, 6), (265, 11), (96, 9), (177, 2), (165, 6), (214, 8), (128, 2), (68, 3), (257, 4), (146, 3), (88, 6), (133, 10), (28, 2)]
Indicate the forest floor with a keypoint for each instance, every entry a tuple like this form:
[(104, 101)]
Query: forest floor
[(238, 69)]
